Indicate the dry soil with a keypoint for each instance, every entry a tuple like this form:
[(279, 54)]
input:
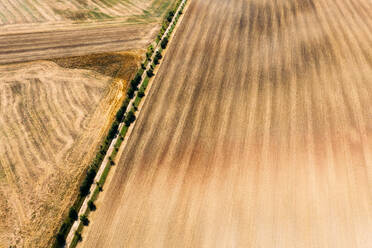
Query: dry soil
[(256, 133)]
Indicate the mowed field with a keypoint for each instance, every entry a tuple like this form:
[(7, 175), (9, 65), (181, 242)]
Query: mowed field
[(44, 29), (257, 132), (53, 116)]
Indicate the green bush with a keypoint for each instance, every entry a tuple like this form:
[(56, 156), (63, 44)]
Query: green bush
[(164, 43), (60, 238), (141, 93), (130, 118), (130, 93), (170, 15), (73, 214), (91, 205), (84, 220), (150, 73), (78, 236), (85, 186)]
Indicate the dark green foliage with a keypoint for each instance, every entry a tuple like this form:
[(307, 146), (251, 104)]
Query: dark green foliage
[(170, 15), (99, 186), (150, 73), (141, 93), (84, 220), (73, 214), (149, 52), (121, 111), (78, 235), (158, 56), (159, 37), (85, 186), (65, 227), (113, 130), (130, 118), (130, 93), (164, 43), (60, 240), (137, 78), (91, 205)]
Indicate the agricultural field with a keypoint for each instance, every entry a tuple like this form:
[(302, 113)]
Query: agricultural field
[(44, 29), (257, 132), (64, 70), (53, 116)]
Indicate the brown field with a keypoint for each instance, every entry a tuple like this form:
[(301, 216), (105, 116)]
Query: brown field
[(256, 133), (53, 115), (44, 29), (55, 112)]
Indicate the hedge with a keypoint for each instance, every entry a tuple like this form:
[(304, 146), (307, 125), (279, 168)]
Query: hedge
[(129, 118)]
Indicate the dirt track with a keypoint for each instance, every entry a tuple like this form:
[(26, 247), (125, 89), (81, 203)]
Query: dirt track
[(257, 133)]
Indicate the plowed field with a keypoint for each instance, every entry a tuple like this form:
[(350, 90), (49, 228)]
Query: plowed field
[(256, 133)]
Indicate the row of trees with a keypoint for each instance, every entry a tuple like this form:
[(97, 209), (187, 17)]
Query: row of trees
[(128, 119), (89, 177)]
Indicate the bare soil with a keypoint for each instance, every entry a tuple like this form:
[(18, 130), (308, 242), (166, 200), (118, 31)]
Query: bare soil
[(257, 132)]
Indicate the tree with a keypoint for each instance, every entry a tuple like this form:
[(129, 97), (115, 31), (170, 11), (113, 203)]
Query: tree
[(60, 239), (129, 118), (84, 220), (158, 56), (91, 205), (73, 214), (78, 235), (141, 93), (150, 73), (99, 186), (130, 92), (85, 186), (113, 130), (170, 16), (164, 43)]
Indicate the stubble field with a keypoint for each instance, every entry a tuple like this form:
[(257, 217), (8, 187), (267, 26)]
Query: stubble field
[(53, 116), (256, 133), (40, 29), (55, 112)]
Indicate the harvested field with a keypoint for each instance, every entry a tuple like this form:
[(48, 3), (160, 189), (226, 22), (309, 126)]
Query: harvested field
[(40, 29), (53, 117), (257, 132), (47, 11)]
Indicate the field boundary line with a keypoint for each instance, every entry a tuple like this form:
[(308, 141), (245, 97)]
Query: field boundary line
[(74, 234)]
